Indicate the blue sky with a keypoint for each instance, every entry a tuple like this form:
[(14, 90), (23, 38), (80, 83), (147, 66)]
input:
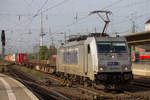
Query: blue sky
[(17, 18)]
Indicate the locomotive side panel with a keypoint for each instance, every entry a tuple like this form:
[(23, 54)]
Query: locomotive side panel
[(71, 60), (91, 58)]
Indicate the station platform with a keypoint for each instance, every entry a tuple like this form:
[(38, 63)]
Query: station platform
[(141, 69), (11, 89)]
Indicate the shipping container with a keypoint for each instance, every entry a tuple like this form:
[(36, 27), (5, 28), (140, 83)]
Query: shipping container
[(22, 57), (14, 57)]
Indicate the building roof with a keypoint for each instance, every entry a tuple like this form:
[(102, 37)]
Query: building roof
[(148, 22), (138, 38)]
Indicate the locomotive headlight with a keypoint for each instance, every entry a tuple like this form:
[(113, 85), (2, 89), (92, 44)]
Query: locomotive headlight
[(101, 69), (126, 68)]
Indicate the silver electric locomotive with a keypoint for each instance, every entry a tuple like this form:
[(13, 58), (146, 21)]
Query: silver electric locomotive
[(95, 59)]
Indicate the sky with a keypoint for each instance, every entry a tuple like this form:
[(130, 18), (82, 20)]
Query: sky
[(21, 19)]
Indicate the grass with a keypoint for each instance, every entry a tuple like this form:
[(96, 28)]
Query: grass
[(35, 74), (3, 69)]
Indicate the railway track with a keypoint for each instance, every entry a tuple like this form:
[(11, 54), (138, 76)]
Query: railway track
[(125, 94), (136, 96), (141, 84), (44, 92), (96, 93), (142, 81), (44, 89), (116, 94), (37, 85), (102, 94)]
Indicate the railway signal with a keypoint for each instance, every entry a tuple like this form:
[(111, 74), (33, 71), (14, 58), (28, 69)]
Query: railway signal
[(3, 39)]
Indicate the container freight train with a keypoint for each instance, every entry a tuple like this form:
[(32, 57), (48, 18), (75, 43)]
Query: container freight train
[(92, 59), (18, 58), (47, 66)]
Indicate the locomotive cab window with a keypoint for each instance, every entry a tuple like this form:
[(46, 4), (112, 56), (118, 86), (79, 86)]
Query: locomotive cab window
[(111, 47), (89, 49)]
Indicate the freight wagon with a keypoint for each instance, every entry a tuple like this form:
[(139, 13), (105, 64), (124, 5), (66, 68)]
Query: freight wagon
[(18, 58)]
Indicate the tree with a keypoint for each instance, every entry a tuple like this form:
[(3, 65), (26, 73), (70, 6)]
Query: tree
[(45, 53), (51, 51), (42, 53)]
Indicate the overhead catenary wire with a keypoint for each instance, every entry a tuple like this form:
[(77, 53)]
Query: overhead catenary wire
[(130, 5), (28, 4), (112, 4), (72, 24), (128, 19), (108, 6), (36, 14), (18, 24), (19, 16), (30, 20), (50, 8), (127, 6), (40, 10), (64, 1)]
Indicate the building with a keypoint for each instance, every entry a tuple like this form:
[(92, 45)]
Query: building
[(147, 25)]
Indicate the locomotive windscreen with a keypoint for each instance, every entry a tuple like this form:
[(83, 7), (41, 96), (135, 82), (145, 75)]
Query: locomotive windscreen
[(111, 47)]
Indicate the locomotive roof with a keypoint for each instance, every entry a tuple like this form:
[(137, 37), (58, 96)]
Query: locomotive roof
[(81, 39), (110, 39), (98, 37), (84, 37)]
